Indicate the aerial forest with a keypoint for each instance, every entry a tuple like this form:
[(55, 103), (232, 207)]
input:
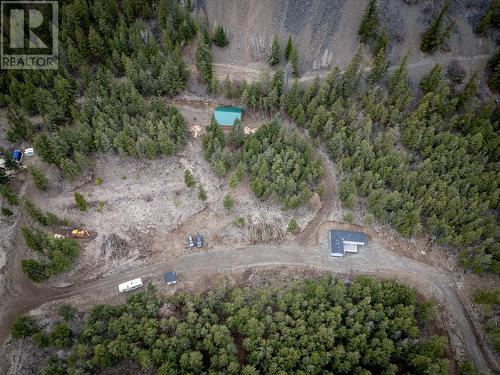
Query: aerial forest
[(306, 327)]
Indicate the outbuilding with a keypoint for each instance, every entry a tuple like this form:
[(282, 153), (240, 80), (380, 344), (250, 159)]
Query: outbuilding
[(343, 241), (17, 155), (227, 116), (170, 278)]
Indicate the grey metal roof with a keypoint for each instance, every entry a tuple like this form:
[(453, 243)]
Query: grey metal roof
[(337, 238), (170, 276)]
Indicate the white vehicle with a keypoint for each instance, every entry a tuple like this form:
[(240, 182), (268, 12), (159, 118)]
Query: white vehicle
[(130, 285), (29, 152)]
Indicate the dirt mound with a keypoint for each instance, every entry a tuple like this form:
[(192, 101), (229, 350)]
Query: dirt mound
[(113, 246)]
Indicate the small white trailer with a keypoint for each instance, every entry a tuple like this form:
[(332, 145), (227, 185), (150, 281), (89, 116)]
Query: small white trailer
[(130, 285)]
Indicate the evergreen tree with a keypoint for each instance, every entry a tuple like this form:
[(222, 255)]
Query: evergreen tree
[(202, 193), (488, 18), (468, 92), (19, 126), (289, 48), (369, 22), (67, 312), (204, 62), (274, 55), (36, 271), (163, 14), (96, 45), (293, 226), (39, 179), (494, 71), (435, 35), (220, 37), (23, 326), (228, 202), (379, 67), (382, 42), (189, 179), (80, 201), (431, 81)]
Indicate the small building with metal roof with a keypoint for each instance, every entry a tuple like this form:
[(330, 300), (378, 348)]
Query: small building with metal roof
[(343, 241), (227, 116), (170, 278)]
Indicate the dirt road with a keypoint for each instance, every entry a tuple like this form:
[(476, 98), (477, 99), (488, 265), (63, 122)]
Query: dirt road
[(373, 259), (253, 72)]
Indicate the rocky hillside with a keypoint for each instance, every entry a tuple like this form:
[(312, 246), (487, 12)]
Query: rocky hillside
[(326, 30)]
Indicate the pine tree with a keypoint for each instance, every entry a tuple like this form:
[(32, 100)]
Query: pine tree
[(163, 14), (468, 92), (220, 37), (80, 201), (430, 82), (288, 49), (189, 179), (382, 42), (434, 36), (204, 62), (488, 18), (379, 67), (202, 193), (19, 126), (96, 45), (369, 22), (274, 55), (228, 202), (293, 226), (41, 182)]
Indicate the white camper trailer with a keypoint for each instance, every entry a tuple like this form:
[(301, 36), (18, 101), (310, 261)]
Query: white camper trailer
[(130, 285)]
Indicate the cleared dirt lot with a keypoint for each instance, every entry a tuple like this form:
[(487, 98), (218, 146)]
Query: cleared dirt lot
[(143, 211)]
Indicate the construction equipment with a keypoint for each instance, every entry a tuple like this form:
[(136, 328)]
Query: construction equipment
[(80, 233)]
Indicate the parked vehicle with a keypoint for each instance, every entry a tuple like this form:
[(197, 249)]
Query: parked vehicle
[(190, 242), (130, 285), (29, 152), (199, 240)]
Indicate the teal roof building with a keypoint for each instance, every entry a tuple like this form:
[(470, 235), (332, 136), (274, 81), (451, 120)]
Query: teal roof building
[(226, 116)]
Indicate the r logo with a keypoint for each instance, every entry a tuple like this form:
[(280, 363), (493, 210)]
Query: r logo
[(29, 35)]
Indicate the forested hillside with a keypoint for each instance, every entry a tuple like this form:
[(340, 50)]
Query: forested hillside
[(307, 327), (140, 41), (280, 165), (429, 163)]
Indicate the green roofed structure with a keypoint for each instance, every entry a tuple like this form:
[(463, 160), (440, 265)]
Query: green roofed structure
[(226, 116)]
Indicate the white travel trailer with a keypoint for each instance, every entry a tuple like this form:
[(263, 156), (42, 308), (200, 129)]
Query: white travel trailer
[(130, 285)]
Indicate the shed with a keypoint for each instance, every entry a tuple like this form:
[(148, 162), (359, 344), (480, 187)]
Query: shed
[(343, 241), (226, 116), (170, 278)]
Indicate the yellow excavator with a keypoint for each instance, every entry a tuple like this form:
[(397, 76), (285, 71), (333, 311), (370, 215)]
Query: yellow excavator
[(76, 233)]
